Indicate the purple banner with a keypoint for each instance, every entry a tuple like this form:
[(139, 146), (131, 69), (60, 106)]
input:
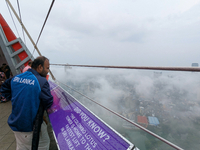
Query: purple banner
[(76, 128)]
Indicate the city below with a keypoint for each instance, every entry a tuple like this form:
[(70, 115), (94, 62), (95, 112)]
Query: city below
[(165, 103)]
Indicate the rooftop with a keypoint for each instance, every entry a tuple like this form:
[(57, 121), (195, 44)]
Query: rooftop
[(153, 121), (142, 119)]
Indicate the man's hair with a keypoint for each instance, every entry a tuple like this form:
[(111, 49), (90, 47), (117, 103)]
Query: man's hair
[(38, 61), (30, 62)]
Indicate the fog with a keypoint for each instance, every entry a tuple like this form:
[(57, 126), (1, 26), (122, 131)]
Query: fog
[(172, 97)]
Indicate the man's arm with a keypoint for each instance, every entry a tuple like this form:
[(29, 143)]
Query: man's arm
[(45, 96), (6, 89)]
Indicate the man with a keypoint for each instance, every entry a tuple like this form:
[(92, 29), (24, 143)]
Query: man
[(6, 70), (2, 80), (27, 91), (27, 67)]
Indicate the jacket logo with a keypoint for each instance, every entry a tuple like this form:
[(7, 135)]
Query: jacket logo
[(24, 81)]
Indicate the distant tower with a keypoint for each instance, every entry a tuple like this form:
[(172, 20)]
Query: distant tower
[(142, 110), (198, 90), (67, 67), (195, 65)]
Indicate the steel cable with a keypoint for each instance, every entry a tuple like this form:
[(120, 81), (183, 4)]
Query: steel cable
[(21, 20), (12, 18), (44, 24)]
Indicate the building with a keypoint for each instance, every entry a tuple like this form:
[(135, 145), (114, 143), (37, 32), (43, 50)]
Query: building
[(195, 65), (142, 110), (153, 121), (157, 74), (142, 120)]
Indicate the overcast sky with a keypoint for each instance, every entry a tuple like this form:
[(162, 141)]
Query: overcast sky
[(113, 32)]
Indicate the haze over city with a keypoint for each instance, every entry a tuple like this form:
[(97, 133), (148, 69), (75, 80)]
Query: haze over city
[(172, 97)]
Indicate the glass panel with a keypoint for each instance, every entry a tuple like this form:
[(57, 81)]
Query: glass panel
[(172, 97)]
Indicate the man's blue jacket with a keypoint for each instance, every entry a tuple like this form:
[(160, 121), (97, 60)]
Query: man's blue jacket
[(26, 91)]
